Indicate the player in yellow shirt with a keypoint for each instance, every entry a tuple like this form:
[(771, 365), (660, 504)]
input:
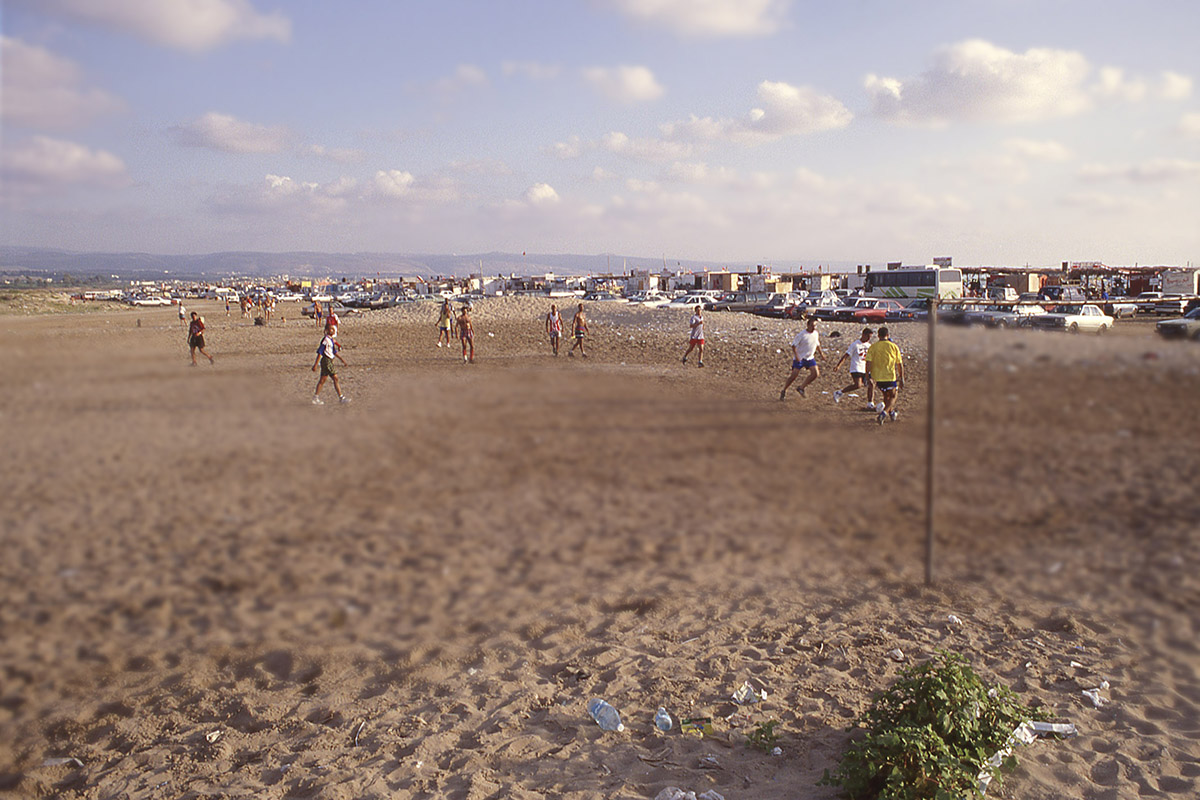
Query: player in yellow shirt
[(886, 368)]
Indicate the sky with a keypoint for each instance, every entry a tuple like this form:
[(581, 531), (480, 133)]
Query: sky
[(782, 132)]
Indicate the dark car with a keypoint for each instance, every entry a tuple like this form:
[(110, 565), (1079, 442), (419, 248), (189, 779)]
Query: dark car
[(777, 306), (738, 301), (1185, 327)]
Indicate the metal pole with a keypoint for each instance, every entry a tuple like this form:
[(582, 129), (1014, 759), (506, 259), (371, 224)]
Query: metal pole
[(931, 413)]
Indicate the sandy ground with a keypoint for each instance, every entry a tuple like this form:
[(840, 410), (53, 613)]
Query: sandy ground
[(211, 588)]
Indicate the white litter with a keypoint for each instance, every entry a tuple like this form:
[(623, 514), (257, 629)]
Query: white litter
[(212, 736), (1025, 733), (1094, 696), (953, 620), (897, 654), (58, 762), (746, 694)]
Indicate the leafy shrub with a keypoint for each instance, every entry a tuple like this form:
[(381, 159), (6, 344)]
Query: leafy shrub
[(764, 736), (930, 735)]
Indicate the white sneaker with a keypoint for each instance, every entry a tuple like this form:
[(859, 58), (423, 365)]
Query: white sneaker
[(318, 401), (837, 395), (343, 400), (893, 415), (439, 344), (879, 407)]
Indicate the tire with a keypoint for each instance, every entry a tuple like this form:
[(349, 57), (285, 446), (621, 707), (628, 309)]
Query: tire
[(1103, 329), (1073, 328), (1002, 324)]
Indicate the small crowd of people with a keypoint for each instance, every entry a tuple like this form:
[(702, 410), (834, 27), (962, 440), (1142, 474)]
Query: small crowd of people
[(874, 367)]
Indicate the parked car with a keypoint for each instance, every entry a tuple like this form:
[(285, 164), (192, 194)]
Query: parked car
[(776, 305), (867, 309), (738, 301), (650, 299), (1146, 300), (1074, 317), (829, 313), (1003, 316), (1064, 294), (689, 301), (1118, 308), (820, 298), (603, 297), (333, 307), (1171, 304), (1185, 327)]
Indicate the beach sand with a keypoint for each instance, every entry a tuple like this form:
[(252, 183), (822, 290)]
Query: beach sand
[(212, 588)]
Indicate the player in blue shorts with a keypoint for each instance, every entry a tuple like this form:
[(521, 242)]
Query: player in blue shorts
[(806, 349)]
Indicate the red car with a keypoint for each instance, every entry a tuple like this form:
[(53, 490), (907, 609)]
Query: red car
[(869, 309)]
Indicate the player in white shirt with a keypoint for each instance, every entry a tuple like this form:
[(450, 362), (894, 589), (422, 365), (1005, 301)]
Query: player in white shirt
[(857, 353), (696, 340), (806, 349)]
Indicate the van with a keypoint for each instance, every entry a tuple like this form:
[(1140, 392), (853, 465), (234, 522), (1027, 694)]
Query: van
[(1001, 293), (1064, 294)]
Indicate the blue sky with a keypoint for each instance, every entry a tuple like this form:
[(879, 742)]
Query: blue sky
[(764, 131)]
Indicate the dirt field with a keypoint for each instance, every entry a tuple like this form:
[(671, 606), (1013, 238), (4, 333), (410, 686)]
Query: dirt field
[(211, 587)]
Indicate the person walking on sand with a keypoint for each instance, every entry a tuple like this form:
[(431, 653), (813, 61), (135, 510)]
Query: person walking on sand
[(182, 315), (806, 349), (579, 327), (886, 367), (696, 340), (196, 338), (226, 305), (466, 334), (327, 351), (554, 327), (857, 353), (445, 323)]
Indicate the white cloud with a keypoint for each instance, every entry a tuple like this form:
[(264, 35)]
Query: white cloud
[(43, 90), (541, 194), (572, 148), (226, 134), (394, 182), (1114, 85), (708, 17), (466, 76), (624, 84), (644, 149), (339, 155), (978, 81), (192, 25), (530, 69), (701, 174), (1154, 171), (1038, 151), (43, 163), (1174, 86), (785, 110), (1189, 126)]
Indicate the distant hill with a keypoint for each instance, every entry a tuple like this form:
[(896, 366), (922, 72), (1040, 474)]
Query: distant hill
[(338, 265)]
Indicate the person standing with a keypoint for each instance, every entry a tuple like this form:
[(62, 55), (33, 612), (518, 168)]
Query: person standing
[(182, 315), (579, 327), (317, 311), (445, 323), (196, 338), (327, 351), (806, 349), (466, 334), (554, 326), (886, 367), (696, 339), (857, 353), (226, 306)]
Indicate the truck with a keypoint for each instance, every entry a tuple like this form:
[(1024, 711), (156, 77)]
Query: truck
[(1181, 281)]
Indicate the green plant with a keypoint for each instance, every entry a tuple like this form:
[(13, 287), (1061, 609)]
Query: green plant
[(764, 737), (930, 735)]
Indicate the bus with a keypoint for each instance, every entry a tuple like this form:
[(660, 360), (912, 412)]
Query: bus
[(913, 282)]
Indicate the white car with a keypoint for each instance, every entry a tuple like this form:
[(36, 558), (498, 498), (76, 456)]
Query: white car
[(688, 301), (1003, 316), (650, 299), (1074, 317)]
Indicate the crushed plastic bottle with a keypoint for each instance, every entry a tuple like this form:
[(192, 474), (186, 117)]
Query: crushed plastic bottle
[(662, 720), (605, 715)]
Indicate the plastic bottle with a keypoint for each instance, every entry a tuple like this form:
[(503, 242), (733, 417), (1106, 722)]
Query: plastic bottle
[(605, 715), (662, 720)]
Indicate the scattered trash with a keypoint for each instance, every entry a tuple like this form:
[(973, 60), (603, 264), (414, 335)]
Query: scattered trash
[(358, 732), (953, 620), (711, 794), (896, 655), (1076, 665), (1054, 568), (1094, 696), (675, 793), (212, 736), (746, 694), (701, 726), (662, 720), (778, 751), (1060, 728), (605, 715), (58, 762), (1025, 733), (710, 762)]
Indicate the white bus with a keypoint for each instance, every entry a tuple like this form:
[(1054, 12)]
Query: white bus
[(912, 282)]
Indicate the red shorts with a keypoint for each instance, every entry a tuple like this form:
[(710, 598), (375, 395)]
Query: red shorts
[(697, 341)]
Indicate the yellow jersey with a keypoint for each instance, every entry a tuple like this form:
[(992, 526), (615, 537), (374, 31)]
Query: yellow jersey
[(883, 357)]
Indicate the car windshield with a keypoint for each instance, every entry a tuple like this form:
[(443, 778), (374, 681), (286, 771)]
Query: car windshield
[(1067, 309), (1193, 314)]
